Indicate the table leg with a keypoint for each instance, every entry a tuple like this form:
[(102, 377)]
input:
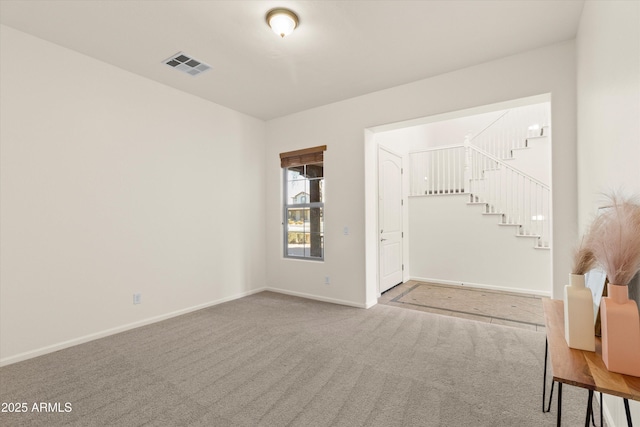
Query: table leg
[(589, 409), (553, 383), (544, 376), (559, 419), (628, 412)]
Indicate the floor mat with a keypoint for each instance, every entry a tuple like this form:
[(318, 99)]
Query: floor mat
[(480, 302)]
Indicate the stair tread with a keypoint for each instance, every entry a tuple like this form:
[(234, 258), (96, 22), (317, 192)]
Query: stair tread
[(485, 175)]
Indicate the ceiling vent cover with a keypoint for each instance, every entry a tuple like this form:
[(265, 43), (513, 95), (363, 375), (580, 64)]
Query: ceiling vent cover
[(187, 64)]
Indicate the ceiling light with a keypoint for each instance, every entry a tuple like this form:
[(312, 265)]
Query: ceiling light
[(282, 21)]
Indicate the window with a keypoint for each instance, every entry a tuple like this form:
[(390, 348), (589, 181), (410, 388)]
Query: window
[(303, 214)]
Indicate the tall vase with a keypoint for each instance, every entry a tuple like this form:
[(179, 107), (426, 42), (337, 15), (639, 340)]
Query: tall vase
[(579, 331), (620, 331)]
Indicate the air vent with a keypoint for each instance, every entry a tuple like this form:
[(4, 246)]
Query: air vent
[(187, 64)]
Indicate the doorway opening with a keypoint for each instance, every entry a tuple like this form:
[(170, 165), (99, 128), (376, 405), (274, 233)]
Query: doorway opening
[(475, 205)]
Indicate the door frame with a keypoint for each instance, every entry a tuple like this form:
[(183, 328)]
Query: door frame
[(371, 285)]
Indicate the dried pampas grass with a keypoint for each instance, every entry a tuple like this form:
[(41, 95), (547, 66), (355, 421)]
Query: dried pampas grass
[(614, 239), (583, 260)]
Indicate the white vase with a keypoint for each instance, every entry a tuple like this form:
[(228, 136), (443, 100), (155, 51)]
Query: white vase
[(579, 321)]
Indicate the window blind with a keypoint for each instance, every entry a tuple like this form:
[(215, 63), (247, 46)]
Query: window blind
[(302, 157)]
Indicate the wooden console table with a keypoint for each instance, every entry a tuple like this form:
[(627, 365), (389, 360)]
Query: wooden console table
[(581, 368)]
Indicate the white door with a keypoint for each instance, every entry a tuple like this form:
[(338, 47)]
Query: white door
[(389, 219)]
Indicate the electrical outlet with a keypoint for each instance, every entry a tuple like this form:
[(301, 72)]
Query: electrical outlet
[(345, 230), (327, 280), (137, 298)]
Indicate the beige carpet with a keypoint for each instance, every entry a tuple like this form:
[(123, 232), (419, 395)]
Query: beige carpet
[(274, 360)]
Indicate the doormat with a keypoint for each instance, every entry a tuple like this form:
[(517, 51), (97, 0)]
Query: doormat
[(508, 306)]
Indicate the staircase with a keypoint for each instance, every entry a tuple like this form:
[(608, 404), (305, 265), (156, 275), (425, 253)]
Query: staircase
[(484, 168)]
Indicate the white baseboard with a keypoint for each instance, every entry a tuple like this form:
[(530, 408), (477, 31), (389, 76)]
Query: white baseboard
[(86, 338), (317, 298), (483, 286), (614, 411), (371, 303), (607, 415)]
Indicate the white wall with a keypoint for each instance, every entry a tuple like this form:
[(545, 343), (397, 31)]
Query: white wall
[(452, 242), (341, 126), (113, 184), (454, 131), (445, 132), (608, 70), (608, 47)]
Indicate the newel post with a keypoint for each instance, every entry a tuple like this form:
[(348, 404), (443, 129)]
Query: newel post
[(467, 163)]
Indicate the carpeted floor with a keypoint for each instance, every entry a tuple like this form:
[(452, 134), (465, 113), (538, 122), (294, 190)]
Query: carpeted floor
[(275, 360)]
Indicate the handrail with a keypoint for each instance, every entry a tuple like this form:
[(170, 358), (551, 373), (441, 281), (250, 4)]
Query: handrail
[(511, 130), (519, 198), (490, 125), (503, 163), (439, 147), (466, 169)]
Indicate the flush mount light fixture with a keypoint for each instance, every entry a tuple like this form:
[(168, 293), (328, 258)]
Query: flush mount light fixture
[(282, 21)]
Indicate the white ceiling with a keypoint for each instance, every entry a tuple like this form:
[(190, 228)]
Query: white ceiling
[(341, 49)]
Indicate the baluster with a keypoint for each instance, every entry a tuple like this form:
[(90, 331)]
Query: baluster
[(527, 210), (513, 209), (440, 172), (543, 216), (456, 167), (449, 171), (496, 177), (461, 166), (507, 196), (513, 196), (432, 171), (536, 209), (531, 207), (521, 200)]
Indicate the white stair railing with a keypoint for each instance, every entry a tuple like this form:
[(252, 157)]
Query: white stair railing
[(511, 130), (439, 170), (519, 198), (477, 168)]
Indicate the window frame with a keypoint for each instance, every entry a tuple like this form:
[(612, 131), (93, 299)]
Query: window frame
[(305, 157)]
